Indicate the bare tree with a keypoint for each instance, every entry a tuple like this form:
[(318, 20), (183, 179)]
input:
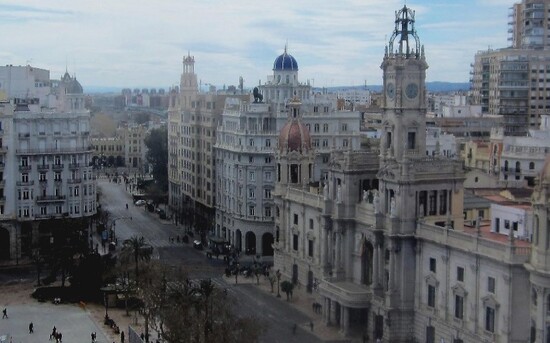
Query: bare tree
[(196, 311)]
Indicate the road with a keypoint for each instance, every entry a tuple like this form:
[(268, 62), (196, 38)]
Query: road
[(279, 315)]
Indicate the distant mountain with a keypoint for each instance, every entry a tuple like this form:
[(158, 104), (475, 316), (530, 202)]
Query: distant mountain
[(436, 86)]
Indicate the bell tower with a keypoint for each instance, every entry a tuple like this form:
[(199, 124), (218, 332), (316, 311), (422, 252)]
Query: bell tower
[(188, 82), (404, 101)]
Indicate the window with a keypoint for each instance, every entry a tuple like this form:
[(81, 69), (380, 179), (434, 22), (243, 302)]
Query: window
[(251, 193), (268, 176), (25, 161), (252, 176), (251, 210), (267, 211), (432, 264), (25, 177), (316, 128), (311, 224), (325, 127), (325, 143), (268, 159), (295, 219), (310, 248), (411, 140), (344, 127), (268, 142), (491, 285), (42, 176), (250, 159), (267, 193), (459, 307), (295, 242), (490, 319), (431, 295), (345, 143), (460, 274)]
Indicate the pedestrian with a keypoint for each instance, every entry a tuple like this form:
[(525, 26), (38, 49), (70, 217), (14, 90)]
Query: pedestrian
[(60, 337), (5, 313), (93, 337), (311, 326), (54, 333), (31, 327), (121, 336), (294, 327)]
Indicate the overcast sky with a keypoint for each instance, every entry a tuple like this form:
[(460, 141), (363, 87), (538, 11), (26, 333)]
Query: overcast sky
[(137, 43)]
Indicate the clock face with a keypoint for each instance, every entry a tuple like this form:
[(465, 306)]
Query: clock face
[(390, 90), (411, 91)]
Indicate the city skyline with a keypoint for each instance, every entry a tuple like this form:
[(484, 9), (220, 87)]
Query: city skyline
[(141, 44)]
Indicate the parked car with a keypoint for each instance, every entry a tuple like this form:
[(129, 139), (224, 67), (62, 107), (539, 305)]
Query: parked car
[(197, 244), (141, 202)]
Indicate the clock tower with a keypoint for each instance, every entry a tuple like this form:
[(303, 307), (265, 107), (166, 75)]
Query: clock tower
[(413, 187), (404, 101)]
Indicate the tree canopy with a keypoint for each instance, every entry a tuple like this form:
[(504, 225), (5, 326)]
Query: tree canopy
[(184, 310), (157, 155)]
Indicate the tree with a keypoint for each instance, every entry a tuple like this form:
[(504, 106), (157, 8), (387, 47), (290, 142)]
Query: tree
[(157, 155), (137, 250), (287, 287), (182, 310), (272, 279)]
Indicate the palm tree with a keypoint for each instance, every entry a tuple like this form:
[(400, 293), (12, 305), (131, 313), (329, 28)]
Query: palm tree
[(138, 250)]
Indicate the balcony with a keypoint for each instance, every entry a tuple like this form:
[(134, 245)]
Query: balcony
[(58, 166), (65, 150), (23, 183), (25, 168), (43, 181), (72, 181), (43, 167), (24, 135), (74, 165), (50, 198)]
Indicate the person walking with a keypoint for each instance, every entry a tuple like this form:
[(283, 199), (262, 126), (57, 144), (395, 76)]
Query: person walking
[(31, 327), (93, 337), (311, 326), (5, 313), (54, 333), (121, 336)]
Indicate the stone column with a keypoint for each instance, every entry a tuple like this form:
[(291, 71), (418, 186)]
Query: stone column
[(326, 311), (323, 245), (392, 266), (332, 313), (338, 248), (375, 263), (345, 320)]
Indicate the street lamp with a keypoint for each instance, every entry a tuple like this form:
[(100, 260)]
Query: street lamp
[(278, 274)]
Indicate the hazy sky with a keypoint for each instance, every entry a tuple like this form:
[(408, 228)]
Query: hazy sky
[(137, 43)]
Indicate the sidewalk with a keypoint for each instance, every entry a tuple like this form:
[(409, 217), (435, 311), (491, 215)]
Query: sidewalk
[(301, 301)]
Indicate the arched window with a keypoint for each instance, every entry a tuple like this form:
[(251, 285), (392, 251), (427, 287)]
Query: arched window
[(518, 166), (531, 165), (506, 165)]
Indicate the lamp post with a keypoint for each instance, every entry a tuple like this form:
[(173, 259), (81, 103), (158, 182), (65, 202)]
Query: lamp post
[(278, 274)]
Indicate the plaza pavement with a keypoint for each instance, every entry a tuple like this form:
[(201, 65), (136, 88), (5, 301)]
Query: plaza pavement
[(74, 322)]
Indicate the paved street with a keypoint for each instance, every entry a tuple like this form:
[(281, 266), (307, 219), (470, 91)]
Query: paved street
[(251, 301)]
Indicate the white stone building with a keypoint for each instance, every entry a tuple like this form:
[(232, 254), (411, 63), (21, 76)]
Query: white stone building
[(383, 247), (247, 139), (46, 172)]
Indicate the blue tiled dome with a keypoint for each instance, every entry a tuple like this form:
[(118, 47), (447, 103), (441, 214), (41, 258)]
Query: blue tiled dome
[(285, 62)]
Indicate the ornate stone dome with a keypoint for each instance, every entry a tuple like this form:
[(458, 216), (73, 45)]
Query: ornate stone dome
[(294, 136), (71, 85), (285, 62)]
